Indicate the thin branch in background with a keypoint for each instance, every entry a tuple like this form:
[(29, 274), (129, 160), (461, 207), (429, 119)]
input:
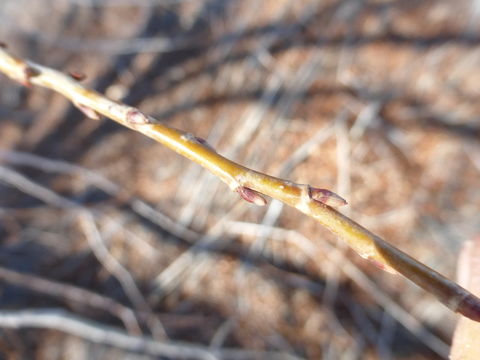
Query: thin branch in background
[(73, 294), (22, 183), (111, 264), (59, 166), (237, 177), (126, 3), (114, 46), (192, 260), (97, 333), (13, 178), (222, 333), (170, 277), (91, 177)]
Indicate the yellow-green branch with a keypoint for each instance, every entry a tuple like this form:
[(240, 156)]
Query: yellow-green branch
[(250, 184)]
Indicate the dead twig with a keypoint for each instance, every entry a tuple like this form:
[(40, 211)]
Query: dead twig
[(97, 333), (74, 294)]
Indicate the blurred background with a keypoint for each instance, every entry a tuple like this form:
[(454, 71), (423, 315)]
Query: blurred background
[(112, 246)]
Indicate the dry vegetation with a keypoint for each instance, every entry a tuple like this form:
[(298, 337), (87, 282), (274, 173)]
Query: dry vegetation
[(373, 99)]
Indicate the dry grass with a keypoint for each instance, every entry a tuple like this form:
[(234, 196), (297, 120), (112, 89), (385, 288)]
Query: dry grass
[(383, 93)]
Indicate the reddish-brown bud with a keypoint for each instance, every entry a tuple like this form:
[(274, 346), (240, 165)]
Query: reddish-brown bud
[(469, 306), (204, 143), (251, 196), (87, 111), (136, 117), (326, 196), (381, 265), (77, 75), (28, 73), (192, 138), (3, 45)]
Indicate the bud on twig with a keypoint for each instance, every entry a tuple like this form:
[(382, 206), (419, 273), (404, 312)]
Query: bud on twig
[(28, 73), (87, 111), (204, 143), (251, 196), (136, 117), (326, 196), (381, 265), (77, 75), (198, 140)]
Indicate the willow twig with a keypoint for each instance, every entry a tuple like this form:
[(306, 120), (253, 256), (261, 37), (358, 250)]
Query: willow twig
[(250, 184)]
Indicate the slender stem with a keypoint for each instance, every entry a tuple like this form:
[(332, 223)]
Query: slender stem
[(250, 184)]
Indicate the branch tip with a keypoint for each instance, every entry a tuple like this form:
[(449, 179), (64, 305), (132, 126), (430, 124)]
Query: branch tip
[(326, 196), (251, 196), (470, 307), (3, 45)]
